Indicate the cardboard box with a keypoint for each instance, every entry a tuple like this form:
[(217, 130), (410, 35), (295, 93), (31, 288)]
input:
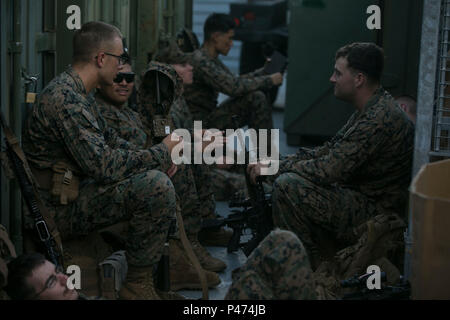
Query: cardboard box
[(430, 204)]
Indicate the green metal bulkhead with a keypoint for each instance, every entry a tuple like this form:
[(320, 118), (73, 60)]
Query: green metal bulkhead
[(318, 28)]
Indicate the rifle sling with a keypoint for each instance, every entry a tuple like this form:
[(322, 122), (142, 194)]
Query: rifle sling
[(15, 146), (191, 255)]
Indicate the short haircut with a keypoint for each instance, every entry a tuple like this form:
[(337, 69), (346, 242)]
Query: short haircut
[(365, 57), (217, 22), (409, 101), (19, 270), (92, 37)]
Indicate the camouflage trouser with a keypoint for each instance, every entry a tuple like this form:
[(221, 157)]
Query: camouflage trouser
[(205, 189), (252, 109), (187, 191), (301, 206), (146, 200), (277, 269), (227, 183)]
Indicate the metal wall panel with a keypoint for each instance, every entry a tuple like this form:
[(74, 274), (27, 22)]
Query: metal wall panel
[(315, 33)]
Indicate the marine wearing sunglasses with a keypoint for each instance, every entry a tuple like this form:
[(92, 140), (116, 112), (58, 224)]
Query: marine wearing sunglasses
[(127, 76)]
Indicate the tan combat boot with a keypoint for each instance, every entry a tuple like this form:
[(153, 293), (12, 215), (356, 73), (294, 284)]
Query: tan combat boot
[(183, 274), (139, 285), (207, 261), (215, 237)]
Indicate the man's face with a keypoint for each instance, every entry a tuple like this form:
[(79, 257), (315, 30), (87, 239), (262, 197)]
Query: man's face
[(118, 93), (49, 284), (111, 64), (224, 42), (344, 80), (185, 72)]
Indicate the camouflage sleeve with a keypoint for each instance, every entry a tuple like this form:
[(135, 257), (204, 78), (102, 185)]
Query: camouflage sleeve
[(87, 144), (257, 73), (181, 115), (344, 156), (302, 154), (113, 139), (222, 80)]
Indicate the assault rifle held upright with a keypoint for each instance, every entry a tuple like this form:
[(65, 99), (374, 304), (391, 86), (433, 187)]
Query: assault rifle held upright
[(255, 214), (44, 227)]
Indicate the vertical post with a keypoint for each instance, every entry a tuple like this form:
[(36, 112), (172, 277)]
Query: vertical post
[(148, 23), (188, 13), (426, 97)]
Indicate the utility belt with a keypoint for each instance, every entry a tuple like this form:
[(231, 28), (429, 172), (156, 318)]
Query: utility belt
[(61, 181)]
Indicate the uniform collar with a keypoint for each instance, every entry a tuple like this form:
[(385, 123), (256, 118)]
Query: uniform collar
[(79, 85), (374, 99)]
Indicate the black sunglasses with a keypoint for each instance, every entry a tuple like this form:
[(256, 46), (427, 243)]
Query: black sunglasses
[(128, 76), (123, 58)]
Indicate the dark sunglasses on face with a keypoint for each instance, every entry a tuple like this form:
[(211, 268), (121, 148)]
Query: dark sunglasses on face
[(128, 76)]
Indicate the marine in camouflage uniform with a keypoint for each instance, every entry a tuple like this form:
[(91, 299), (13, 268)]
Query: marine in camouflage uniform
[(364, 171), (118, 180), (211, 77), (127, 123), (214, 182), (278, 269), (182, 119), (247, 101)]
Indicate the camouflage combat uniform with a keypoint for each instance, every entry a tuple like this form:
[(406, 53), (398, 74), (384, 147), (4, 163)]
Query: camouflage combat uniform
[(278, 269), (182, 119), (362, 172), (195, 199), (211, 76), (118, 181)]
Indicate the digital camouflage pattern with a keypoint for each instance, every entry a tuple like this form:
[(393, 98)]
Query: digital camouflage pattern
[(181, 115), (227, 183), (365, 170), (118, 180), (125, 121), (211, 77), (278, 269), (170, 85), (195, 200)]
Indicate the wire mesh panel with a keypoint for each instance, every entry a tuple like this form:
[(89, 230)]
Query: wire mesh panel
[(441, 141)]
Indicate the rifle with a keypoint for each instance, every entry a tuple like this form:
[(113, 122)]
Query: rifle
[(256, 213), (161, 127), (256, 218), (30, 195), (401, 291)]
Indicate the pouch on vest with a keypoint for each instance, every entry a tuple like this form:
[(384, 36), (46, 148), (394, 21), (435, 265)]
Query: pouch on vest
[(65, 184)]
